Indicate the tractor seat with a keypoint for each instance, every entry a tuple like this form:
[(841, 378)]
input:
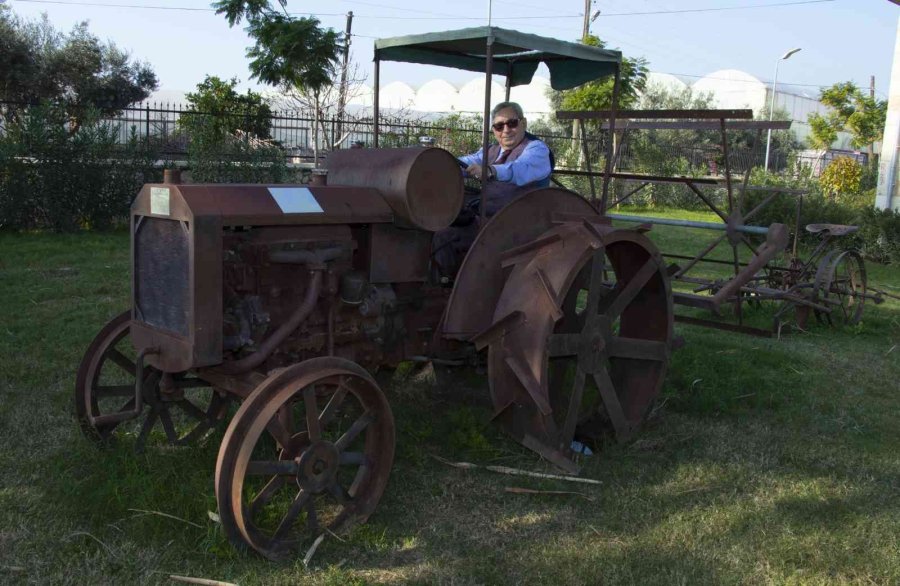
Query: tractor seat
[(831, 229)]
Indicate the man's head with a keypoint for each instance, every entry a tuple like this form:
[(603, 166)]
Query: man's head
[(508, 123)]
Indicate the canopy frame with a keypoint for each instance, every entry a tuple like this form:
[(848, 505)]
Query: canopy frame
[(510, 53)]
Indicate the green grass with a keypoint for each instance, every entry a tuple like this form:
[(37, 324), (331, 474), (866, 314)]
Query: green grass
[(766, 461)]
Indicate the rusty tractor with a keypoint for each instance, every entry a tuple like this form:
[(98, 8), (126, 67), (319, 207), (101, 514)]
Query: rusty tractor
[(285, 297)]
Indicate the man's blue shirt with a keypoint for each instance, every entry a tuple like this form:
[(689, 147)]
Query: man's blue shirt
[(532, 165)]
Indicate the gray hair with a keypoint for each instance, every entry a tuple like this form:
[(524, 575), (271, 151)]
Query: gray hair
[(511, 105)]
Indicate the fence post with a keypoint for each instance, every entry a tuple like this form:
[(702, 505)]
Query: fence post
[(147, 127)]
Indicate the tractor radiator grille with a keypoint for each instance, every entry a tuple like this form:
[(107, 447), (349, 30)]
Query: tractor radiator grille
[(162, 274)]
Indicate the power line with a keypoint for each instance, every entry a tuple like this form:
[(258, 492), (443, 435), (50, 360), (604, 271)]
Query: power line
[(371, 17), (719, 9), (152, 7)]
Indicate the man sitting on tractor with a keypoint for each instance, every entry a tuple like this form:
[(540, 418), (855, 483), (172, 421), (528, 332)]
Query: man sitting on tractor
[(519, 162)]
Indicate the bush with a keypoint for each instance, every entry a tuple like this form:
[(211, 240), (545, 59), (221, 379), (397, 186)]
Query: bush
[(237, 160), (841, 177), (60, 178), (879, 234)]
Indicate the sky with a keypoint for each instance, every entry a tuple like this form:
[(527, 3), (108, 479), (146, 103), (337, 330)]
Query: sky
[(841, 40)]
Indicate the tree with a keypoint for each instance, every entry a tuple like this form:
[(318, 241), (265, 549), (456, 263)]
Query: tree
[(597, 95), (289, 52), (852, 111), (75, 69), (218, 110)]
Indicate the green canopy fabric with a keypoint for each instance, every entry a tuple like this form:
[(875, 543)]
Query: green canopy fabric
[(516, 55)]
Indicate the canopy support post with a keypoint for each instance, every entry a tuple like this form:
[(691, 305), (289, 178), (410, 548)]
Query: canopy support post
[(508, 83), (609, 144), (375, 101), (488, 74)]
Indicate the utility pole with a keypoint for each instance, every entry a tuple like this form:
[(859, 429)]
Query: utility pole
[(586, 30), (870, 148), (342, 89)]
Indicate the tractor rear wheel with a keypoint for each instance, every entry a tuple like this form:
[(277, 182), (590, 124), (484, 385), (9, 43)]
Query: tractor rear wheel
[(581, 337)]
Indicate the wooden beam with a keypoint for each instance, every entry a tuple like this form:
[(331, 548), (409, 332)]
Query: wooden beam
[(737, 114), (701, 125)]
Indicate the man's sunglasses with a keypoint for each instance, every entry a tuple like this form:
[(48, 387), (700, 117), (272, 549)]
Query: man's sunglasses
[(512, 123)]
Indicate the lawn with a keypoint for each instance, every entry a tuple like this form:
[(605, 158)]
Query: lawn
[(765, 461)]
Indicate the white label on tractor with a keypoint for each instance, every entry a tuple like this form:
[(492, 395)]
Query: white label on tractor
[(159, 201), (296, 200)]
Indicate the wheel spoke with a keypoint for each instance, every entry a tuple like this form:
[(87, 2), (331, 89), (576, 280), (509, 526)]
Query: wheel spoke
[(353, 459), (339, 493), (568, 432), (104, 391), (360, 424), (312, 520), (293, 512), (148, 424), (626, 294), (271, 468), (192, 410), (595, 289), (266, 494), (334, 403), (121, 361), (166, 419), (563, 345), (312, 412), (638, 348), (611, 402), (279, 431)]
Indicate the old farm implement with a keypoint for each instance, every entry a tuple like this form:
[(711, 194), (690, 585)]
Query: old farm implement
[(829, 283), (281, 297)]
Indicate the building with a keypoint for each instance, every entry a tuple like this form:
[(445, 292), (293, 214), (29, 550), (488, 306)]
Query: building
[(731, 88)]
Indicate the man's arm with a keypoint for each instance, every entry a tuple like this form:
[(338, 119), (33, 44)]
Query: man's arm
[(532, 165), (473, 159)]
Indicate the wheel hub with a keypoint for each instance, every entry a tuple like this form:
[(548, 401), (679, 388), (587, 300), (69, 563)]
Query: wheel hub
[(594, 343), (318, 466)]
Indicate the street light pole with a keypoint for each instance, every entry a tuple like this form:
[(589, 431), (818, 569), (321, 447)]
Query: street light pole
[(772, 103)]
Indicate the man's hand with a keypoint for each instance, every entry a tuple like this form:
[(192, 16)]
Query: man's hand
[(474, 170)]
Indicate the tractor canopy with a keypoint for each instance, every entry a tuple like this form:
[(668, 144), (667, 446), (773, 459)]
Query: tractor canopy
[(515, 55)]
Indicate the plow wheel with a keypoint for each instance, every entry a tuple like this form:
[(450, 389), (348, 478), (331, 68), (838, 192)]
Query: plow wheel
[(841, 285), (581, 337), (309, 450), (177, 409)]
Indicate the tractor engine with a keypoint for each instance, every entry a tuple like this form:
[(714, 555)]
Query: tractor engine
[(254, 277)]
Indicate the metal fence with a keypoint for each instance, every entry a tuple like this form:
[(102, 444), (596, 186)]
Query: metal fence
[(294, 132)]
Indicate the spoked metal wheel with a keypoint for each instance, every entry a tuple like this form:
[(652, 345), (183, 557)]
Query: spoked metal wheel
[(841, 284), (581, 338), (311, 448), (177, 409)]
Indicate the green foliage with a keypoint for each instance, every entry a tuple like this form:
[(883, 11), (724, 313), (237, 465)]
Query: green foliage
[(459, 133), (226, 136), (841, 177), (879, 234), (597, 95), (657, 152), (74, 69), (218, 111), (822, 132), (782, 208), (850, 110), (288, 51), (237, 160), (56, 178)]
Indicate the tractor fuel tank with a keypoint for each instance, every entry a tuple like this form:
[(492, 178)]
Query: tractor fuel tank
[(423, 186)]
